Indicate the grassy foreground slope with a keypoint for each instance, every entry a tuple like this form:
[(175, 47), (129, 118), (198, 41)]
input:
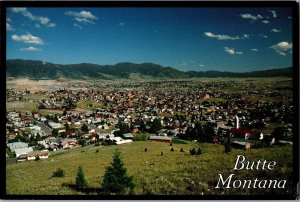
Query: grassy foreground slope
[(173, 173)]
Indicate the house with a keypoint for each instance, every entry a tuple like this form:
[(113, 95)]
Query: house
[(119, 140), (53, 147), (40, 154), (128, 136), (22, 157), (16, 145), (54, 125), (284, 142), (69, 143), (161, 139), (241, 145), (21, 151), (44, 143)]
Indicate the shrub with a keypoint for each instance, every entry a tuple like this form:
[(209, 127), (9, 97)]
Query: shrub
[(193, 151), (59, 173), (227, 147), (172, 149), (199, 151), (97, 151)]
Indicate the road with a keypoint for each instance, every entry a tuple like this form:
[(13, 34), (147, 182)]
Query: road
[(44, 128)]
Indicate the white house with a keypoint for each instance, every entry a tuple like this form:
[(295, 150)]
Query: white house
[(25, 150), (40, 154), (119, 140), (16, 145)]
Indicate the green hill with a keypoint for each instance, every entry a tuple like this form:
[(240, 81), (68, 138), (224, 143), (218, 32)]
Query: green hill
[(174, 173), (41, 70)]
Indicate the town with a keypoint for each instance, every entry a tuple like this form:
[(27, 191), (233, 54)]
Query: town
[(247, 115)]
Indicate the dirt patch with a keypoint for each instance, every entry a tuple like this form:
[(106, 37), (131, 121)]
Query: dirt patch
[(38, 85)]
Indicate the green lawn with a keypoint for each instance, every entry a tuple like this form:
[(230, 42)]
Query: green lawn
[(36, 96), (173, 173), (89, 104), (21, 106)]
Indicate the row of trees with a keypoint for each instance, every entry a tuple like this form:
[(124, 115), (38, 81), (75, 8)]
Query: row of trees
[(199, 132), (154, 126)]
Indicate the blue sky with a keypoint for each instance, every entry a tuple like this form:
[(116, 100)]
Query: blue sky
[(200, 39)]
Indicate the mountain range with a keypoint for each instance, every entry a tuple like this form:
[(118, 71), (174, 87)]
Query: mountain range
[(35, 69)]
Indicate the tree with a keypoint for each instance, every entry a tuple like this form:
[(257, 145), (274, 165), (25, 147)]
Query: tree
[(199, 151), (209, 132), (278, 133), (37, 158), (156, 125), (38, 137), (227, 146), (115, 178), (193, 151), (82, 142), (55, 119), (67, 127), (84, 128), (55, 132), (80, 180), (124, 128)]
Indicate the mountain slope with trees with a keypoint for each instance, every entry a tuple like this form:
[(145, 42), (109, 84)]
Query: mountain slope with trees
[(34, 69)]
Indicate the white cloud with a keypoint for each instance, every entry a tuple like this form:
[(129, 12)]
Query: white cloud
[(37, 25), (251, 17), (246, 36), (259, 16), (27, 38), (84, 17), (263, 36), (289, 17), (201, 65), (275, 30), (9, 27), (231, 51), (51, 25), (30, 49), (122, 24), (82, 14), (265, 21), (254, 49), (221, 37), (273, 13), (282, 47), (84, 20), (18, 10), (39, 19), (77, 25)]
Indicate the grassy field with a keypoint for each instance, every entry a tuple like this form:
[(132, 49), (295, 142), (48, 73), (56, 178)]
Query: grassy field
[(173, 173), (88, 104), (36, 96), (21, 106)]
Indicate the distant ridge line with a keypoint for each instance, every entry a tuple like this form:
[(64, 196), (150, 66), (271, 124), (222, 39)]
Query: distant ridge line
[(36, 69)]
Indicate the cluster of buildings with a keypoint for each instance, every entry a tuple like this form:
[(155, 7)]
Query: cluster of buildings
[(177, 104)]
